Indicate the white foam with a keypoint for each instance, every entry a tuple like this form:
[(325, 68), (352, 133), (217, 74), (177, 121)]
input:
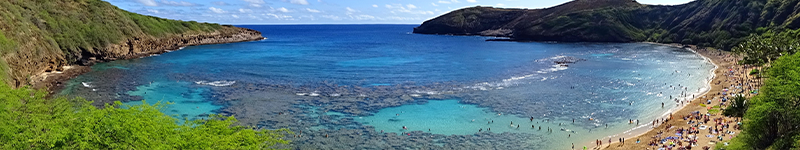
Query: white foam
[(87, 84), (216, 83)]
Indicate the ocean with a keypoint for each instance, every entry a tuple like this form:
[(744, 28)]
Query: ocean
[(361, 85)]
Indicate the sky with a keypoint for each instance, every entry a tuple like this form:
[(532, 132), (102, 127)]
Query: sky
[(239, 12)]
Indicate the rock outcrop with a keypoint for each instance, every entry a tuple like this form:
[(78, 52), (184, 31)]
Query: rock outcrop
[(51, 73)]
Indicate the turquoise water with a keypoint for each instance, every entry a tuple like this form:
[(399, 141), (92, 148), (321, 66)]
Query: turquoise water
[(187, 103), (449, 117), (356, 79)]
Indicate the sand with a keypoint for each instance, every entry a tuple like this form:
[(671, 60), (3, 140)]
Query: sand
[(724, 61)]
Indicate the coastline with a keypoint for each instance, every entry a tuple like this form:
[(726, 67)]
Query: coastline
[(52, 81), (694, 105)]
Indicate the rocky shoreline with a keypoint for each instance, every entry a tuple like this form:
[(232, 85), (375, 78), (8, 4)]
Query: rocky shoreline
[(52, 76)]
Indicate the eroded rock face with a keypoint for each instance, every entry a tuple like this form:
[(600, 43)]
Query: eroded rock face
[(35, 69)]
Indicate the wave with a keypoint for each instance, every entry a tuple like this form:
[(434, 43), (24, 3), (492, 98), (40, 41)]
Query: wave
[(216, 83), (87, 84)]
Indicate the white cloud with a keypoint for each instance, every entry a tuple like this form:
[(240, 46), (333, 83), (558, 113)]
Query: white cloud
[(279, 16), (362, 17), (242, 10), (147, 2), (374, 5), (178, 3), (299, 2), (434, 4), (313, 10), (351, 11), (448, 2), (332, 17), (399, 8), (216, 10), (234, 16), (283, 9), (255, 3), (219, 3), (500, 5), (472, 1), (152, 11)]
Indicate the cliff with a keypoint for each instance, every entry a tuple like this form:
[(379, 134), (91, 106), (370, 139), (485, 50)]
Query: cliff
[(710, 23), (42, 36)]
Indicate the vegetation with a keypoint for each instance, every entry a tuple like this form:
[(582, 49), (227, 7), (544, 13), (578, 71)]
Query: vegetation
[(30, 121), (763, 49), (754, 72), (770, 119), (707, 23), (737, 108), (64, 31)]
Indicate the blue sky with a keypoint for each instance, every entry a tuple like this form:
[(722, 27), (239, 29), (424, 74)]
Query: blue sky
[(322, 11)]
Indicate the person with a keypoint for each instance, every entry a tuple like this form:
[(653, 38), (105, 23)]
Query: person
[(573, 145)]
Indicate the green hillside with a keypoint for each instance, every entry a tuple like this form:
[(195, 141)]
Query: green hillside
[(711, 23), (42, 35)]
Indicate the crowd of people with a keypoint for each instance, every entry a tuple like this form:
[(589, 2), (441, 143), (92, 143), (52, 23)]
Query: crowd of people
[(692, 128)]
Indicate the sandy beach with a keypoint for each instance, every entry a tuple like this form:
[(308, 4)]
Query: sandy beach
[(675, 123)]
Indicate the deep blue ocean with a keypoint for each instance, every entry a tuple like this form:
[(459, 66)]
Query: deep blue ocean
[(362, 83)]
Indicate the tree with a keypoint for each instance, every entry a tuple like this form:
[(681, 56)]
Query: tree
[(763, 49), (737, 108), (30, 121), (772, 119)]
